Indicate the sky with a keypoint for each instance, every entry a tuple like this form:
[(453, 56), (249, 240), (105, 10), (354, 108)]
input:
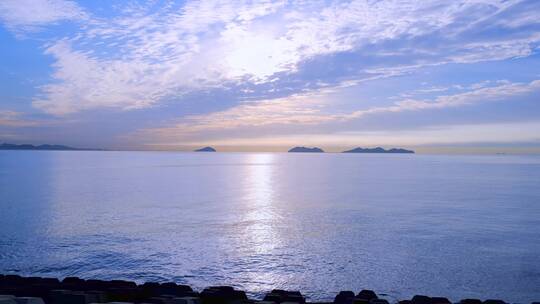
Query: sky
[(268, 75)]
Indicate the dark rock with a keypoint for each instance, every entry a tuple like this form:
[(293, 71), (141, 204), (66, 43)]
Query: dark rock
[(13, 279), (72, 280), (492, 301), (123, 284), (67, 297), (29, 300), (280, 292), (344, 297), (367, 294), (186, 300), (184, 288), (32, 280), (279, 296), (221, 294), (158, 300), (7, 299), (440, 300), (97, 296), (73, 283), (124, 294), (239, 295), (49, 281), (168, 288), (97, 285), (420, 299), (150, 289), (272, 297), (378, 301), (294, 298), (470, 301), (37, 290)]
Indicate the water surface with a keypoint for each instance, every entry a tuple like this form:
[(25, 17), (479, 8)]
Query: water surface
[(457, 226)]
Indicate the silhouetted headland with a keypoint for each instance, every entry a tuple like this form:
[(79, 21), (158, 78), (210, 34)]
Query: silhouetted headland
[(206, 149), (378, 150), (15, 289), (306, 149), (6, 146)]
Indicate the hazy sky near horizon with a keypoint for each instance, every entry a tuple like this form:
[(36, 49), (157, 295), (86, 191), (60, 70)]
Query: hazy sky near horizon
[(248, 74)]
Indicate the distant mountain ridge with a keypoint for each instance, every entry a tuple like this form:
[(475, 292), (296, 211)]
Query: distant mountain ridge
[(378, 150), (306, 149), (7, 146)]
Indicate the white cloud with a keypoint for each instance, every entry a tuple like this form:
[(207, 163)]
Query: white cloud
[(484, 94), (30, 15), (145, 55), (310, 109), (298, 109), (15, 119)]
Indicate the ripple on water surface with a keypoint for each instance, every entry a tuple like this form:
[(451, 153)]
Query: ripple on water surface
[(458, 226)]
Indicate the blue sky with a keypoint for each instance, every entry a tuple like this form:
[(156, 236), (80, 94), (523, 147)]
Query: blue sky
[(266, 75)]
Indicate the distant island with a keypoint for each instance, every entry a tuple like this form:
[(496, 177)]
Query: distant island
[(305, 149), (6, 146), (378, 150), (206, 149)]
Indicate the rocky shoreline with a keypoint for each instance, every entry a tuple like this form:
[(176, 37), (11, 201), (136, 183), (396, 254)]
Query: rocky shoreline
[(15, 289)]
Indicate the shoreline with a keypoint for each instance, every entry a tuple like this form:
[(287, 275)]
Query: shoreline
[(15, 289)]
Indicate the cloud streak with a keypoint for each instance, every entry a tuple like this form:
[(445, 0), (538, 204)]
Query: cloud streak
[(15, 119), (31, 15), (305, 110), (147, 55)]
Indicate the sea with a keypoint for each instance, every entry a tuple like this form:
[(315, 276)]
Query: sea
[(460, 226)]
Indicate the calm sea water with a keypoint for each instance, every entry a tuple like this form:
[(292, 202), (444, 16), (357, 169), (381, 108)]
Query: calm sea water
[(457, 226)]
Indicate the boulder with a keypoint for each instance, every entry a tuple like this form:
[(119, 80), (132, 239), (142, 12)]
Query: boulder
[(367, 294), (158, 300), (29, 300), (73, 283), (7, 299), (421, 299), (344, 297), (97, 285), (186, 300), (68, 297), (440, 300), (280, 296)]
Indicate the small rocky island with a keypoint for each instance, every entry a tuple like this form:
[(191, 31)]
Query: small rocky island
[(378, 150), (206, 149), (306, 149)]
